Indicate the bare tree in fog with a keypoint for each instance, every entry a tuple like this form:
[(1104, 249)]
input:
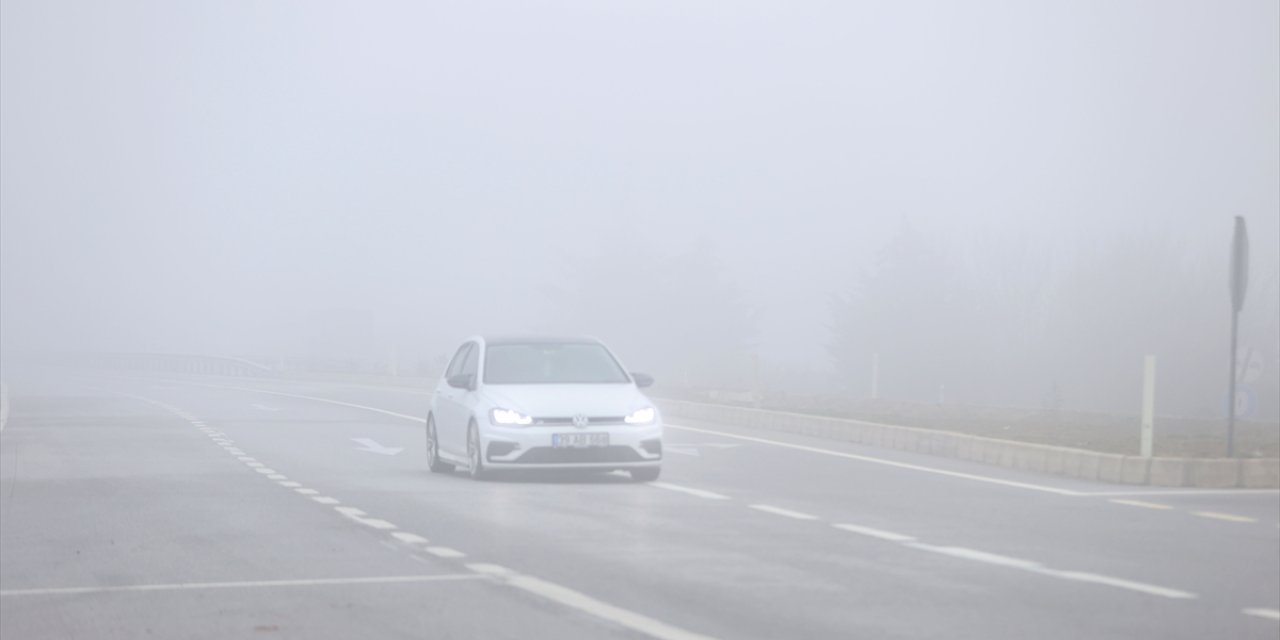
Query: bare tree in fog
[(902, 311), (675, 314)]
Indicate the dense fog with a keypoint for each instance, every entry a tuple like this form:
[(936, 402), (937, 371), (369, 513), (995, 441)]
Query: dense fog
[(1000, 203)]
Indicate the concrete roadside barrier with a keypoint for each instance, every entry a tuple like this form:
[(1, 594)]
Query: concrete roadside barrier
[(1260, 473), (1039, 458)]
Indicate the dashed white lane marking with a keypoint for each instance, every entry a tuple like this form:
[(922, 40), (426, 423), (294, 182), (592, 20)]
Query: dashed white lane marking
[(290, 484), (710, 495), (307, 492), (1037, 568), (409, 538), (1185, 492), (186, 586), (255, 464), (786, 513), (874, 533), (246, 459), (584, 603), (886, 462), (277, 476), (1223, 516), (1269, 614), (266, 471), (445, 552), (1141, 503), (360, 516), (325, 500)]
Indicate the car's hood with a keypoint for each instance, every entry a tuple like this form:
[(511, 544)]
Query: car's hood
[(567, 400)]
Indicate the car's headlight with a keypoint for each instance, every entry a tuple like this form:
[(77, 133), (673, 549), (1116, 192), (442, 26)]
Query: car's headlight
[(507, 416), (642, 416)]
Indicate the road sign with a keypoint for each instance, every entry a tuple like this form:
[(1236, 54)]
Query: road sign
[(1249, 365), (1246, 403), (1239, 279), (1239, 264)]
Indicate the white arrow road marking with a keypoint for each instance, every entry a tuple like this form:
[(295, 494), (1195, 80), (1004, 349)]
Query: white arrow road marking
[(372, 446), (263, 407)]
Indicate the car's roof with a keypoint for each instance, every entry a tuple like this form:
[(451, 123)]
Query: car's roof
[(539, 340)]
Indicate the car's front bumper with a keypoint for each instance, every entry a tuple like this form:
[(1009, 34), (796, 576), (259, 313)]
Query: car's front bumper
[(530, 448)]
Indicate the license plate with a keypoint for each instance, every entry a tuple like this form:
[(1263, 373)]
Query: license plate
[(574, 440)]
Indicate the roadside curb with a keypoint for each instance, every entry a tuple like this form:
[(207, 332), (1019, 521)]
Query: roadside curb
[(1216, 473)]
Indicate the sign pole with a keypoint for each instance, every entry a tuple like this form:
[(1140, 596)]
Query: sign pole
[(1239, 284), (1148, 405), (1231, 389)]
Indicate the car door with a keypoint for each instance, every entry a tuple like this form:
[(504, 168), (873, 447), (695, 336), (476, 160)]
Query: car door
[(449, 405)]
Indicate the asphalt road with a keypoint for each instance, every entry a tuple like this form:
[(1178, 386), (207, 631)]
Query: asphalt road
[(214, 508)]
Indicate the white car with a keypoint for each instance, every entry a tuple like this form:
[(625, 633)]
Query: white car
[(542, 403)]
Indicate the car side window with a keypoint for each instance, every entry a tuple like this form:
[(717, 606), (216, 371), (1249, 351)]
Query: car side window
[(471, 364), (459, 358)]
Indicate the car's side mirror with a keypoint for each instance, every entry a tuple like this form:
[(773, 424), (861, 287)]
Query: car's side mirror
[(642, 379), (462, 381)]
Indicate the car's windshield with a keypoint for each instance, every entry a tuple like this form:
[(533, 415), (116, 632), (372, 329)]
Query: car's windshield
[(551, 363)]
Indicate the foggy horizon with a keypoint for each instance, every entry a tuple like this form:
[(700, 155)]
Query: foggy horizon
[(317, 180)]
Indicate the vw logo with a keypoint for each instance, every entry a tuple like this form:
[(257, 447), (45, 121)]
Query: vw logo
[(580, 421)]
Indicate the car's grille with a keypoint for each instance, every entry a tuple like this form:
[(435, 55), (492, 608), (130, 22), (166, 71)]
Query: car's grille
[(591, 420), (549, 455)]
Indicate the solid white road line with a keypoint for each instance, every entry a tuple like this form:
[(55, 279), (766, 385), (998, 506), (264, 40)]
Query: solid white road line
[(887, 462), (1269, 614), (182, 586), (586, 604), (1223, 516), (874, 533), (1037, 568), (691, 491), (778, 511), (1140, 503)]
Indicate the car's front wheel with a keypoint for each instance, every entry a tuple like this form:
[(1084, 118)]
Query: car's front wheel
[(475, 453), (645, 474), (434, 463)]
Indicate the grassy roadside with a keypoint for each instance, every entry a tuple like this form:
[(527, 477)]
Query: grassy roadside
[(1108, 433)]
